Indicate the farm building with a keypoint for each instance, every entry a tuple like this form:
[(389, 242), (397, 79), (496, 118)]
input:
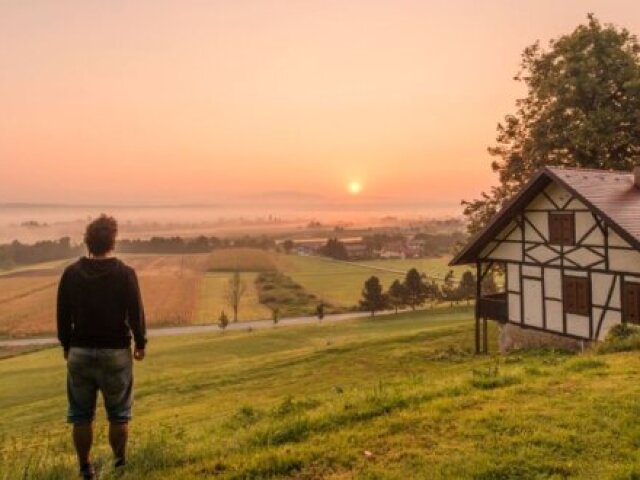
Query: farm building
[(568, 247)]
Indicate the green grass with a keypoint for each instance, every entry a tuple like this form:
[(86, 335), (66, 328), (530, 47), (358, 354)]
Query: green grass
[(211, 299), (278, 291), (387, 398), (341, 283)]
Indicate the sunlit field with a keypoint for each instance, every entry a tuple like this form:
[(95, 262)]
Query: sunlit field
[(394, 397), (191, 289), (212, 300)]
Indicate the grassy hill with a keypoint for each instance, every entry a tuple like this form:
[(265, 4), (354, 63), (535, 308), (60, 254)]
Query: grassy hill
[(393, 397)]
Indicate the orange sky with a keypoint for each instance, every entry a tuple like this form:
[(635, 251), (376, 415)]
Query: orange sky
[(189, 101)]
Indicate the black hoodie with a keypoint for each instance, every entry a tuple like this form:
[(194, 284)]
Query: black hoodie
[(99, 305)]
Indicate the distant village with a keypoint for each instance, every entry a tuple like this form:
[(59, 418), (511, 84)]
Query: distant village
[(383, 246)]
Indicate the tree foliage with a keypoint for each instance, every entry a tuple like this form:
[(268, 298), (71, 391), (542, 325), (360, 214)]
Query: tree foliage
[(373, 298), (417, 290), (582, 109), (334, 248), (397, 295)]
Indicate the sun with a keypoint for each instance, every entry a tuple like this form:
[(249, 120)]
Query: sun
[(355, 187)]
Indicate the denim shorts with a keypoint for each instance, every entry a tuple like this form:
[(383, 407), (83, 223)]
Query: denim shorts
[(108, 370)]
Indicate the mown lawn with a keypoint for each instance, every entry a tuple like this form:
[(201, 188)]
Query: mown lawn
[(393, 397)]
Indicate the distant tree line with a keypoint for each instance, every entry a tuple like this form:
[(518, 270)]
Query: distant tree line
[(415, 290), (16, 253), (199, 244), (334, 248)]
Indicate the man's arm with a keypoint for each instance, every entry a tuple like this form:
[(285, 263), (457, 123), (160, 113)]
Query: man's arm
[(135, 312), (64, 319)]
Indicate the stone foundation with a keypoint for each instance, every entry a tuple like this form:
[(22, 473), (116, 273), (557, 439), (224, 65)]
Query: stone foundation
[(514, 337)]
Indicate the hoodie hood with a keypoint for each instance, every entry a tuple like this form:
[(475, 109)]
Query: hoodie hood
[(93, 268)]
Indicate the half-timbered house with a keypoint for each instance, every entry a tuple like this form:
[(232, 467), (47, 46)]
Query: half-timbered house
[(568, 247)]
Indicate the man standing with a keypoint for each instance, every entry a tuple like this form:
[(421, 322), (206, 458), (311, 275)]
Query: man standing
[(99, 308)]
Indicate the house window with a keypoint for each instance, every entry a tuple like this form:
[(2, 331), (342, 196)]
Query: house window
[(562, 230), (576, 295), (631, 302)]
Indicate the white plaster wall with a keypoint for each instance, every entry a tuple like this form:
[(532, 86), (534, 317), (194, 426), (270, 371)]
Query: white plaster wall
[(576, 204), (531, 271), (541, 222), (584, 257), (559, 195), (578, 325), (576, 273), (624, 260), (584, 222), (553, 283), (532, 297), (542, 253), (540, 203), (600, 285), (514, 307), (513, 277), (611, 318), (554, 315), (507, 251), (508, 231), (615, 239)]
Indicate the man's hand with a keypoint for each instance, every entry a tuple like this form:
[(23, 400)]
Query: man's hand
[(138, 354)]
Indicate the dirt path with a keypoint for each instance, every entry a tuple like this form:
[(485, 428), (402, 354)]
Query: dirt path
[(194, 329)]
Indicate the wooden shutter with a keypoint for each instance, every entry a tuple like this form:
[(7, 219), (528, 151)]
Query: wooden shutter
[(562, 230), (554, 229), (568, 230), (576, 295), (569, 294), (631, 299)]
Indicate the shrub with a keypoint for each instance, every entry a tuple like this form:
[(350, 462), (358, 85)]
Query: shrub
[(621, 338)]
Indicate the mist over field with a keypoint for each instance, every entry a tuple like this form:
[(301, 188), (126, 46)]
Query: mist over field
[(33, 222)]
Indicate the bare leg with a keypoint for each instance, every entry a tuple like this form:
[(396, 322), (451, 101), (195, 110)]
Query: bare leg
[(82, 440), (118, 435)]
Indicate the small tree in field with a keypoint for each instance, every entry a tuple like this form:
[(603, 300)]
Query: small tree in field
[(236, 288), (275, 316), (417, 290), (372, 296), (320, 311), (288, 245), (397, 295), (449, 289), (223, 321)]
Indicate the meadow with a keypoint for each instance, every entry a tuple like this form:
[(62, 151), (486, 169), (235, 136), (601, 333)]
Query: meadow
[(395, 397), (190, 289)]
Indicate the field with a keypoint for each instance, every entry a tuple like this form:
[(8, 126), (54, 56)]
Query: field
[(392, 398), (340, 283), (170, 287), (212, 299), (187, 289)]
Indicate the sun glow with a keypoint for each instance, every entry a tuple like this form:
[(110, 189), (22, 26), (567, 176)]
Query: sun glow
[(355, 187)]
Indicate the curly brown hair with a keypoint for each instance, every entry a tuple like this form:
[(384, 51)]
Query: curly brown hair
[(100, 235)]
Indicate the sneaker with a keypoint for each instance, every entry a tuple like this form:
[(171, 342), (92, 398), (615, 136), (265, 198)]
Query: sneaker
[(120, 462)]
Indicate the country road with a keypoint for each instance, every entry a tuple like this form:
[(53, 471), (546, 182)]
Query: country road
[(194, 329)]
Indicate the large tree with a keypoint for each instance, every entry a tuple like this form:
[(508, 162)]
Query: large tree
[(582, 109)]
